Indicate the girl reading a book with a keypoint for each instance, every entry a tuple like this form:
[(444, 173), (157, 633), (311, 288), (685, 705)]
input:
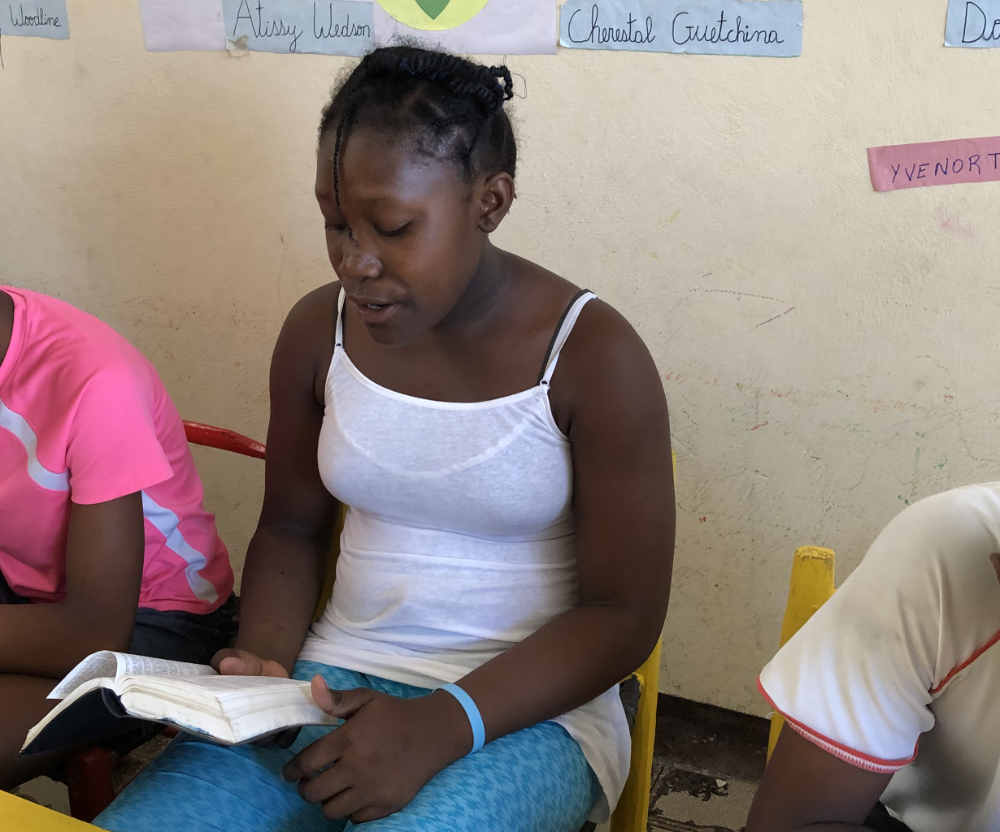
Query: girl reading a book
[(104, 543), (501, 440)]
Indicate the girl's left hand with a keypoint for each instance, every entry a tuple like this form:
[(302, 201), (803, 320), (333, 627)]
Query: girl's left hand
[(385, 752)]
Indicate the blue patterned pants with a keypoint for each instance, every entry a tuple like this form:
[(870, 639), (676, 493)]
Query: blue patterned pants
[(536, 780)]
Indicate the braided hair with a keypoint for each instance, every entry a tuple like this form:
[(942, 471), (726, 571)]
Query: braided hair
[(450, 108)]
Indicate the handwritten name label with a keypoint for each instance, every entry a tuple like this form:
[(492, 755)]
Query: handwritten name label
[(899, 166), (320, 27), (974, 25), (40, 19), (770, 28)]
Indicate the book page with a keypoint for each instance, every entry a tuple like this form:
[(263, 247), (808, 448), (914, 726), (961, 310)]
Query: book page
[(244, 683), (108, 663), (146, 666), (230, 709), (225, 690), (95, 666)]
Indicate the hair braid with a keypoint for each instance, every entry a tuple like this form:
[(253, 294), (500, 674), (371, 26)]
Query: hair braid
[(342, 128), (453, 109)]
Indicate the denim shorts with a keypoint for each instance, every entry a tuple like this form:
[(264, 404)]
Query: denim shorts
[(171, 634)]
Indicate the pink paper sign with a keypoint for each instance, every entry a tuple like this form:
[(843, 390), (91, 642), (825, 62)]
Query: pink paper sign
[(934, 163)]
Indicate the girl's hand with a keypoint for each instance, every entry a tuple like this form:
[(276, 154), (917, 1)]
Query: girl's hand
[(235, 662), (385, 752)]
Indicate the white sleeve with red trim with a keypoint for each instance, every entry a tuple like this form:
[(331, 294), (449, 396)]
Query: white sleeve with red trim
[(859, 679)]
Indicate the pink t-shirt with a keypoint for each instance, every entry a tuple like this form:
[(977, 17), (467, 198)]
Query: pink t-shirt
[(84, 418)]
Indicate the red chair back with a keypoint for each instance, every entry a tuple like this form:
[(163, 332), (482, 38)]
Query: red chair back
[(223, 439)]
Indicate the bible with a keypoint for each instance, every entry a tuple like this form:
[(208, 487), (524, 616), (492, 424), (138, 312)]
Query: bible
[(107, 693)]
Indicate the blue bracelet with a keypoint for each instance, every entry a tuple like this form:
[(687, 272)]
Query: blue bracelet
[(472, 712)]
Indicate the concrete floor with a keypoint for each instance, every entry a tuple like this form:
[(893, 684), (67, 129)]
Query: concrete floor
[(707, 764), (698, 802), (705, 773), (47, 793)]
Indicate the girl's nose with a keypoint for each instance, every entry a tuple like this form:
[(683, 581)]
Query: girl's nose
[(359, 261)]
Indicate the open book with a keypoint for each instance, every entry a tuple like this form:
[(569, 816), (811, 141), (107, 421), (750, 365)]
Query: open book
[(106, 687)]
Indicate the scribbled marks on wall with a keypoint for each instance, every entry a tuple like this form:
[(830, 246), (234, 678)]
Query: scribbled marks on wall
[(780, 315), (740, 295)]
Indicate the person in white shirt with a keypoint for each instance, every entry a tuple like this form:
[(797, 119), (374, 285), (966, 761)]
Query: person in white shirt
[(890, 690)]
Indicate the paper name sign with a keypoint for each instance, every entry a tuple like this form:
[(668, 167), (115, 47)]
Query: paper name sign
[(975, 25), (41, 19), (765, 28), (321, 27), (934, 163)]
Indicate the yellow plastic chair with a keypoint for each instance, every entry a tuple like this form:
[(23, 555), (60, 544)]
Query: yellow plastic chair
[(810, 587), (20, 815), (331, 566), (632, 812)]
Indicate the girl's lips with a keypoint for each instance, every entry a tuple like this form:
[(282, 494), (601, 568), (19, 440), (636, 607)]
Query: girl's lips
[(373, 314)]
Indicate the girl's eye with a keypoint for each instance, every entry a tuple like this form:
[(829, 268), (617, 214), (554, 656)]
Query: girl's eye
[(396, 232), (334, 226)]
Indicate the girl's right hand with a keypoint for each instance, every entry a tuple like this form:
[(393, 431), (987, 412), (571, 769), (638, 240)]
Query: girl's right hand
[(236, 662)]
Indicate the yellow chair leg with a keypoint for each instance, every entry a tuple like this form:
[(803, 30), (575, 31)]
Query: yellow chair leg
[(632, 812), (810, 587), (633, 808)]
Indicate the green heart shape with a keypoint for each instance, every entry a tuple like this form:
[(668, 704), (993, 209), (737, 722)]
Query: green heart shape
[(433, 7)]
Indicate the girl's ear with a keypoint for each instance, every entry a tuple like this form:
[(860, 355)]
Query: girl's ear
[(496, 197)]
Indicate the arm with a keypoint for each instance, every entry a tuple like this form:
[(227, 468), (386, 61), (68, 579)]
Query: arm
[(288, 555), (623, 510), (857, 678), (805, 789), (104, 557)]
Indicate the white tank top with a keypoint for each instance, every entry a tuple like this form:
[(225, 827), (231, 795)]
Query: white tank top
[(458, 542)]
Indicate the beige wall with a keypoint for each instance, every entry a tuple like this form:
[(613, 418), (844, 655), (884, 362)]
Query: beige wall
[(170, 194)]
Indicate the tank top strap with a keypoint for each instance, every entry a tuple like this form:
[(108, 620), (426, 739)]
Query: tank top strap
[(339, 337), (559, 337)]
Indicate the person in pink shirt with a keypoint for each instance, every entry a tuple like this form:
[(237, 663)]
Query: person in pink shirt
[(104, 542)]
